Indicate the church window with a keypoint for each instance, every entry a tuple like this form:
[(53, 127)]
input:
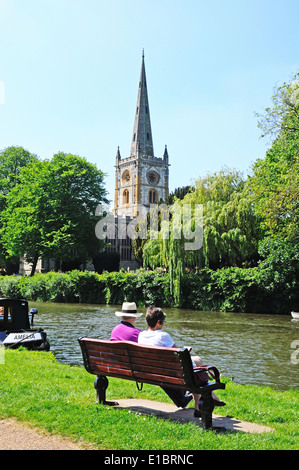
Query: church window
[(126, 197), (134, 136), (152, 178), (153, 196), (147, 135), (146, 110)]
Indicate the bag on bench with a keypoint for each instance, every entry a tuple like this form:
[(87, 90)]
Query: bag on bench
[(202, 373)]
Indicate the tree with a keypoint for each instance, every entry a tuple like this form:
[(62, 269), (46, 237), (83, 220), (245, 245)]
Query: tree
[(275, 186), (283, 117), (230, 227), (50, 213), (230, 230), (167, 250), (12, 159), (275, 180), (178, 193)]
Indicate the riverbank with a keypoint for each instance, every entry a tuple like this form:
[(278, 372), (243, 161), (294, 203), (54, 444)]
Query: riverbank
[(60, 399), (231, 289)]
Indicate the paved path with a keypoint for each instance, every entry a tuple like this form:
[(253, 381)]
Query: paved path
[(169, 411), (17, 436)]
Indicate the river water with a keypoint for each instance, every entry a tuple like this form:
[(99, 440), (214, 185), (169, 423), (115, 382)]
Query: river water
[(251, 348)]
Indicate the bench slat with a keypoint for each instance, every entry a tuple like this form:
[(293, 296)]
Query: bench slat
[(123, 345), (144, 367), (169, 353), (138, 376), (134, 361)]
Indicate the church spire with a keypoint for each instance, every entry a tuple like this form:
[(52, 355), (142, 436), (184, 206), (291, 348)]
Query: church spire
[(142, 141)]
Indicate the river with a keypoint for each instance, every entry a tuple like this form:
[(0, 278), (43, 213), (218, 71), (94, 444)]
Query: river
[(251, 348)]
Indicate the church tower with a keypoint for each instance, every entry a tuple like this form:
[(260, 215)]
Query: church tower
[(141, 178)]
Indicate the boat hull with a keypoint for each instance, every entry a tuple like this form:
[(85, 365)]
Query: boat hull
[(30, 339)]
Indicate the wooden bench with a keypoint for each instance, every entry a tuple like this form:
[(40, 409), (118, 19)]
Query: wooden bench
[(166, 367)]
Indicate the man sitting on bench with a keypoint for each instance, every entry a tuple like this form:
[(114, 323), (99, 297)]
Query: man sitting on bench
[(126, 331)]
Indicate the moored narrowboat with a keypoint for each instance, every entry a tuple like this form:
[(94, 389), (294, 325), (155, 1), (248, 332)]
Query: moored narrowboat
[(15, 326)]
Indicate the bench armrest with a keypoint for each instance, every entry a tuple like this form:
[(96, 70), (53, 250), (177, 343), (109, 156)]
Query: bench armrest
[(212, 370), (186, 362)]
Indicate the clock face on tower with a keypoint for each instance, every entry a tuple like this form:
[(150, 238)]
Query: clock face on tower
[(152, 177)]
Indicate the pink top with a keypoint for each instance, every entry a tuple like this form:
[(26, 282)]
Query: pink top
[(125, 331)]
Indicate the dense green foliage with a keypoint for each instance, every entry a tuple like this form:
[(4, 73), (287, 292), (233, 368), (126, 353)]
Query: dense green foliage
[(12, 160), (259, 290), (230, 230), (275, 186), (49, 208), (36, 389), (144, 287), (230, 227), (275, 180), (178, 193)]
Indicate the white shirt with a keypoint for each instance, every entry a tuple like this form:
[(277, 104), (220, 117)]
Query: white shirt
[(156, 338)]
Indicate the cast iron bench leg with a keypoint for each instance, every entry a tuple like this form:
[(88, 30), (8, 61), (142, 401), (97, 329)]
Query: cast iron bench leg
[(101, 384), (206, 406)]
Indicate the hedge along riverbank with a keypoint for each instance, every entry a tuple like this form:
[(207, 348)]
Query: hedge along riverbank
[(227, 289), (144, 287)]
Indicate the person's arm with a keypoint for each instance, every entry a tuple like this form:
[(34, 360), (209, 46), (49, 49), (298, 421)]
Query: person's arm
[(167, 340)]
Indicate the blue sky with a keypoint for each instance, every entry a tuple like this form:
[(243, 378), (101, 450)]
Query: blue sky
[(69, 72)]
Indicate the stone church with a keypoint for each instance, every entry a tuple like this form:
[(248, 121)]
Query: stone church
[(141, 179)]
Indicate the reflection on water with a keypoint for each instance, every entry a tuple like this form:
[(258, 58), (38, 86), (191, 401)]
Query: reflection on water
[(251, 348)]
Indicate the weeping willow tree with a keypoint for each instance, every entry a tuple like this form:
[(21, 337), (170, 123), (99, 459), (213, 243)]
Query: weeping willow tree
[(176, 268), (230, 226), (165, 249), (230, 230), (167, 253)]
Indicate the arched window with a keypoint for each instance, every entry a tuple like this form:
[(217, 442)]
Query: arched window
[(153, 196), (126, 197)]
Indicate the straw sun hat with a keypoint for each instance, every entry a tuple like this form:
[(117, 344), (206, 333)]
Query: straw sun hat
[(128, 309)]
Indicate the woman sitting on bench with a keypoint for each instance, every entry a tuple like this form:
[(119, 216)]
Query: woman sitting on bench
[(154, 336)]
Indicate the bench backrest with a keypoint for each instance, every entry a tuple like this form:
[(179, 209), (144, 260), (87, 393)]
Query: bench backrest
[(167, 367)]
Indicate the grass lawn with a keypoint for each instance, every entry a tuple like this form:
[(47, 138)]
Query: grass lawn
[(36, 389)]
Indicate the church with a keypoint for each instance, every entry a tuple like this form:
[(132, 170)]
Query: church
[(141, 179)]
